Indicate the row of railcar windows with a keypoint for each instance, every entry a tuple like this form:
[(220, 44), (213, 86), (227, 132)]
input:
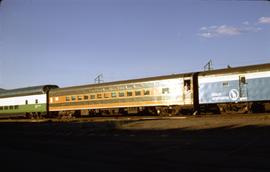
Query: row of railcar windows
[(108, 95), (9, 107), (15, 107)]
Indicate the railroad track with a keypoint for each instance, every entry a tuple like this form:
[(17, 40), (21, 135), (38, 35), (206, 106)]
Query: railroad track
[(95, 119)]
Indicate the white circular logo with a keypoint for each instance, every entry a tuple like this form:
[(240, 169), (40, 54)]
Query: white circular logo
[(234, 94)]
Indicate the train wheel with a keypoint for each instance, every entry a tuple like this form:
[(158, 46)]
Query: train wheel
[(257, 107), (29, 115)]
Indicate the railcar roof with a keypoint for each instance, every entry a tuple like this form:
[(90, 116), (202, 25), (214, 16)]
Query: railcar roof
[(26, 91), (124, 82), (240, 69)]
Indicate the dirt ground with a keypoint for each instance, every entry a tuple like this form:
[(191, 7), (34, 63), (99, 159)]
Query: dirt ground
[(192, 143)]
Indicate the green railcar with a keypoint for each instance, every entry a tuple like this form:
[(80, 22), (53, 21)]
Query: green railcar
[(29, 100)]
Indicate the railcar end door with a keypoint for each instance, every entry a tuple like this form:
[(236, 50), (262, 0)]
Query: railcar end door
[(187, 96), (243, 92)]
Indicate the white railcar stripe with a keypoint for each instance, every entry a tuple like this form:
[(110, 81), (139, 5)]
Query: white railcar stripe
[(21, 100), (257, 75), (217, 78), (232, 77)]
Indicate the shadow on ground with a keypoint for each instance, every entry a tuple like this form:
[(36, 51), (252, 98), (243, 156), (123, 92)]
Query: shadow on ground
[(105, 146)]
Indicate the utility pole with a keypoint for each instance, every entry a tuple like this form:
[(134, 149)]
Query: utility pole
[(99, 79), (208, 66)]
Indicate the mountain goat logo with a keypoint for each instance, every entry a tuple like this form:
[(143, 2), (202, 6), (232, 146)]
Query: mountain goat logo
[(234, 94)]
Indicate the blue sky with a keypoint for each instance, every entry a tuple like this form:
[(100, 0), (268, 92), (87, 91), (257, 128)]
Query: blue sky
[(69, 42)]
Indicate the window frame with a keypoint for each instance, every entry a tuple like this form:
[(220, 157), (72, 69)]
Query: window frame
[(73, 98), (68, 98), (99, 96), (79, 98), (92, 96), (85, 97), (129, 93), (138, 91), (121, 94), (146, 92), (165, 90)]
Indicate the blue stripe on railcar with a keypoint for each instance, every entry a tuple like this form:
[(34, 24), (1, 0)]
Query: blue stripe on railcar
[(257, 89)]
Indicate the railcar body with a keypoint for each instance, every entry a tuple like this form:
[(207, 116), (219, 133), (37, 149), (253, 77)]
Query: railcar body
[(156, 94), (232, 89), (240, 88), (25, 101)]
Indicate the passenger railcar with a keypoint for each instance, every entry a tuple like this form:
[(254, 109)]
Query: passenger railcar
[(239, 89), (236, 89), (156, 95), (30, 101)]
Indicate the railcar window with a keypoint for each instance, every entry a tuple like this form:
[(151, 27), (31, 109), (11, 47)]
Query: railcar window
[(1, 108), (99, 96), (92, 96), (10, 107), (85, 97), (6, 107), (243, 80), (73, 98), (67, 98), (225, 84), (26, 102), (106, 95), (36, 101), (165, 90), (79, 97), (121, 94), (113, 94), (129, 93), (146, 92), (187, 85), (56, 98), (137, 93), (16, 107)]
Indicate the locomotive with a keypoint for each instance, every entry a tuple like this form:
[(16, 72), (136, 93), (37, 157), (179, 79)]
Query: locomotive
[(240, 89)]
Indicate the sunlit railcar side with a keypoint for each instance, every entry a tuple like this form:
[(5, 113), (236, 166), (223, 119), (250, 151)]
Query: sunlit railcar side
[(30, 101), (239, 89), (156, 95)]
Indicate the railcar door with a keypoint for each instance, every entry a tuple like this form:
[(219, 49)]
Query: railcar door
[(243, 92), (187, 96)]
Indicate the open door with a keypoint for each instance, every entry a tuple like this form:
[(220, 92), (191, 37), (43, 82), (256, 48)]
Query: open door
[(187, 96), (243, 92)]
